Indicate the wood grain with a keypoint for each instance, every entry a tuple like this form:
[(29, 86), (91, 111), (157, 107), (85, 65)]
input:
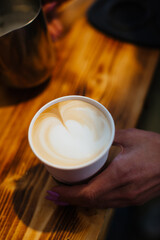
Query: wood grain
[(88, 63)]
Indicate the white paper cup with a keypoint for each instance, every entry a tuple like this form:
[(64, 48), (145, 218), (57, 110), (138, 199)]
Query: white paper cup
[(75, 174)]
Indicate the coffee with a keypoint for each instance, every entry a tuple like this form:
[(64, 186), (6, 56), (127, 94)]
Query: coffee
[(71, 133)]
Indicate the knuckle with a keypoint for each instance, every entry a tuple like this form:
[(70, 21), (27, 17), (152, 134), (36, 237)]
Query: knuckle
[(121, 173), (90, 197)]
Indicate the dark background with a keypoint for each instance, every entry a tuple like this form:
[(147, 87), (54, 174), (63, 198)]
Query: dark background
[(142, 222)]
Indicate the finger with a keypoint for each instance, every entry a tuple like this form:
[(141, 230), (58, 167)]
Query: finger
[(125, 137), (57, 25), (71, 195), (147, 195), (49, 7), (54, 32), (85, 195), (128, 195), (58, 2), (88, 194), (101, 203)]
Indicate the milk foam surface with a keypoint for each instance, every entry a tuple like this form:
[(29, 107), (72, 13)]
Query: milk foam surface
[(71, 133)]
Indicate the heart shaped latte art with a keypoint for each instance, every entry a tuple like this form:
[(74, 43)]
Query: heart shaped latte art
[(71, 133)]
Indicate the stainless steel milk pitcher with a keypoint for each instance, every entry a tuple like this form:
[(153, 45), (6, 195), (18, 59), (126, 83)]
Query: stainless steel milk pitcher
[(26, 50)]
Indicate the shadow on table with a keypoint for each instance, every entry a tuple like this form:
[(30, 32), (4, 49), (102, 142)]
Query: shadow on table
[(11, 96), (38, 213)]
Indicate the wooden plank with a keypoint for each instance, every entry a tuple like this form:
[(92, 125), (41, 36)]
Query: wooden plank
[(88, 63)]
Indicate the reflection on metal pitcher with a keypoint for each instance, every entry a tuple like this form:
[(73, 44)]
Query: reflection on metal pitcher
[(27, 56)]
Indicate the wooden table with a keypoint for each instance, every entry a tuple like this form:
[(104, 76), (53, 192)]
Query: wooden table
[(88, 63)]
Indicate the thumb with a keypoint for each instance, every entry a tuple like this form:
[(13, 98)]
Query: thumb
[(124, 137)]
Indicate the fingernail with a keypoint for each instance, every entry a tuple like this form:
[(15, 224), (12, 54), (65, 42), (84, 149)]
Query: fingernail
[(54, 195), (51, 5)]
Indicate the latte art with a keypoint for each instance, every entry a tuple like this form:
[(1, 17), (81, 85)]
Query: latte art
[(71, 133)]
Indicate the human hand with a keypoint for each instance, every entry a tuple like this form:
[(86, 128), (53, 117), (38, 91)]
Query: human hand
[(132, 178), (54, 25)]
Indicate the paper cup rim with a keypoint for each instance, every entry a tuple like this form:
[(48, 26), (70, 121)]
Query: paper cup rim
[(65, 98)]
